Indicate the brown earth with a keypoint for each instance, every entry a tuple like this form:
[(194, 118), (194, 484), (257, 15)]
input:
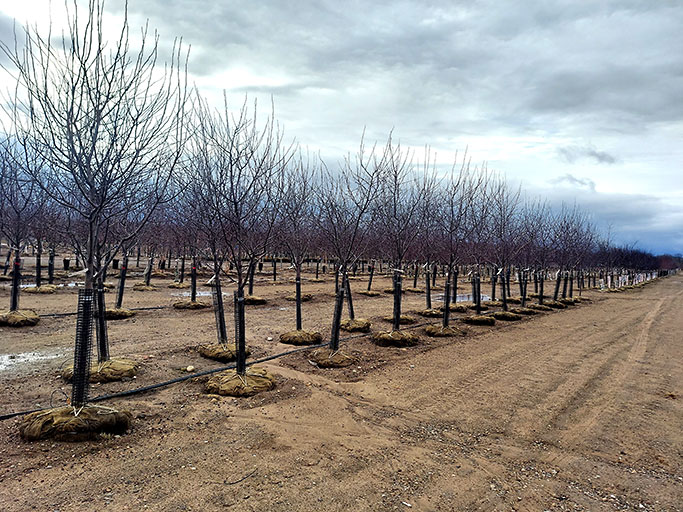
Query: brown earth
[(576, 409)]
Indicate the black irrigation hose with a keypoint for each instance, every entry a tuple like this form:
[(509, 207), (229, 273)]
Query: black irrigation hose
[(198, 374), (190, 376), (59, 315)]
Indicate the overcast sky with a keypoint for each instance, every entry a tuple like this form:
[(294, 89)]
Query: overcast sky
[(578, 100)]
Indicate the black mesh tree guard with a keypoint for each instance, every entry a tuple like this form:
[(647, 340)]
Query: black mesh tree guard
[(349, 298), (51, 267), (101, 324), (16, 283), (336, 319), (219, 310), (122, 282), (82, 349), (397, 300), (193, 280), (240, 334)]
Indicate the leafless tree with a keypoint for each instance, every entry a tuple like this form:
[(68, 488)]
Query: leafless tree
[(107, 120)]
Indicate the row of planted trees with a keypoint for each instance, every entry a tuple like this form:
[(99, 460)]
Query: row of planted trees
[(105, 151)]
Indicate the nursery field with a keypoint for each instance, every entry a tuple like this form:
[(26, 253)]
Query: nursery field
[(573, 409)]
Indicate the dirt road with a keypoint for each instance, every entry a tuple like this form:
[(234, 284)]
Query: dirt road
[(572, 410)]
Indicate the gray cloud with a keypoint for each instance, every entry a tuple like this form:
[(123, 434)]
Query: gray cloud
[(571, 154), (574, 181), (533, 81)]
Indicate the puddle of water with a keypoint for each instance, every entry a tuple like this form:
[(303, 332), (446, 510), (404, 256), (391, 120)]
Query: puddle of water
[(462, 297), (189, 294), (7, 361)]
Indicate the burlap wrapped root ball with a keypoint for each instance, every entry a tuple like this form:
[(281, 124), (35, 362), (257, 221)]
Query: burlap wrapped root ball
[(524, 311), (67, 424), (369, 293), (556, 304), (455, 308), (395, 339), (118, 313), (539, 307), (44, 289), (301, 337), (254, 300), (410, 289), (431, 313), (403, 319), (230, 383), (19, 318), (482, 307), (218, 352), (325, 357), (355, 325), (190, 304), (439, 331), (108, 371), (305, 297), (507, 316), (142, 287), (479, 320)]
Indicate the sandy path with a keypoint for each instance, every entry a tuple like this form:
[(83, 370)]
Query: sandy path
[(573, 410)]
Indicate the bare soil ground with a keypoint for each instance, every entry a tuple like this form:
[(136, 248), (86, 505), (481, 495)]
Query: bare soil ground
[(578, 409)]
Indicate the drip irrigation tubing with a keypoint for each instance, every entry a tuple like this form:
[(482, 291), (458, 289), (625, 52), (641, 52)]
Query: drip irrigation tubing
[(158, 385), (59, 315)]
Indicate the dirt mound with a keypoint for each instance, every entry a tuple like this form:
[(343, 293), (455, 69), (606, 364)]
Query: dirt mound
[(431, 313), (108, 371), (403, 320), (567, 301), (177, 285), (254, 300), (507, 316), (479, 320), (395, 339), (19, 318), (63, 424), (301, 338), (413, 290), (230, 383), (456, 308), (355, 325), (514, 300), (188, 304), (326, 358), (218, 352), (118, 313), (439, 331), (556, 304), (369, 293), (305, 297), (493, 303), (46, 288), (483, 307)]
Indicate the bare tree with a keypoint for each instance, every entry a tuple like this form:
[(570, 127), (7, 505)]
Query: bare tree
[(107, 120), (21, 204)]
